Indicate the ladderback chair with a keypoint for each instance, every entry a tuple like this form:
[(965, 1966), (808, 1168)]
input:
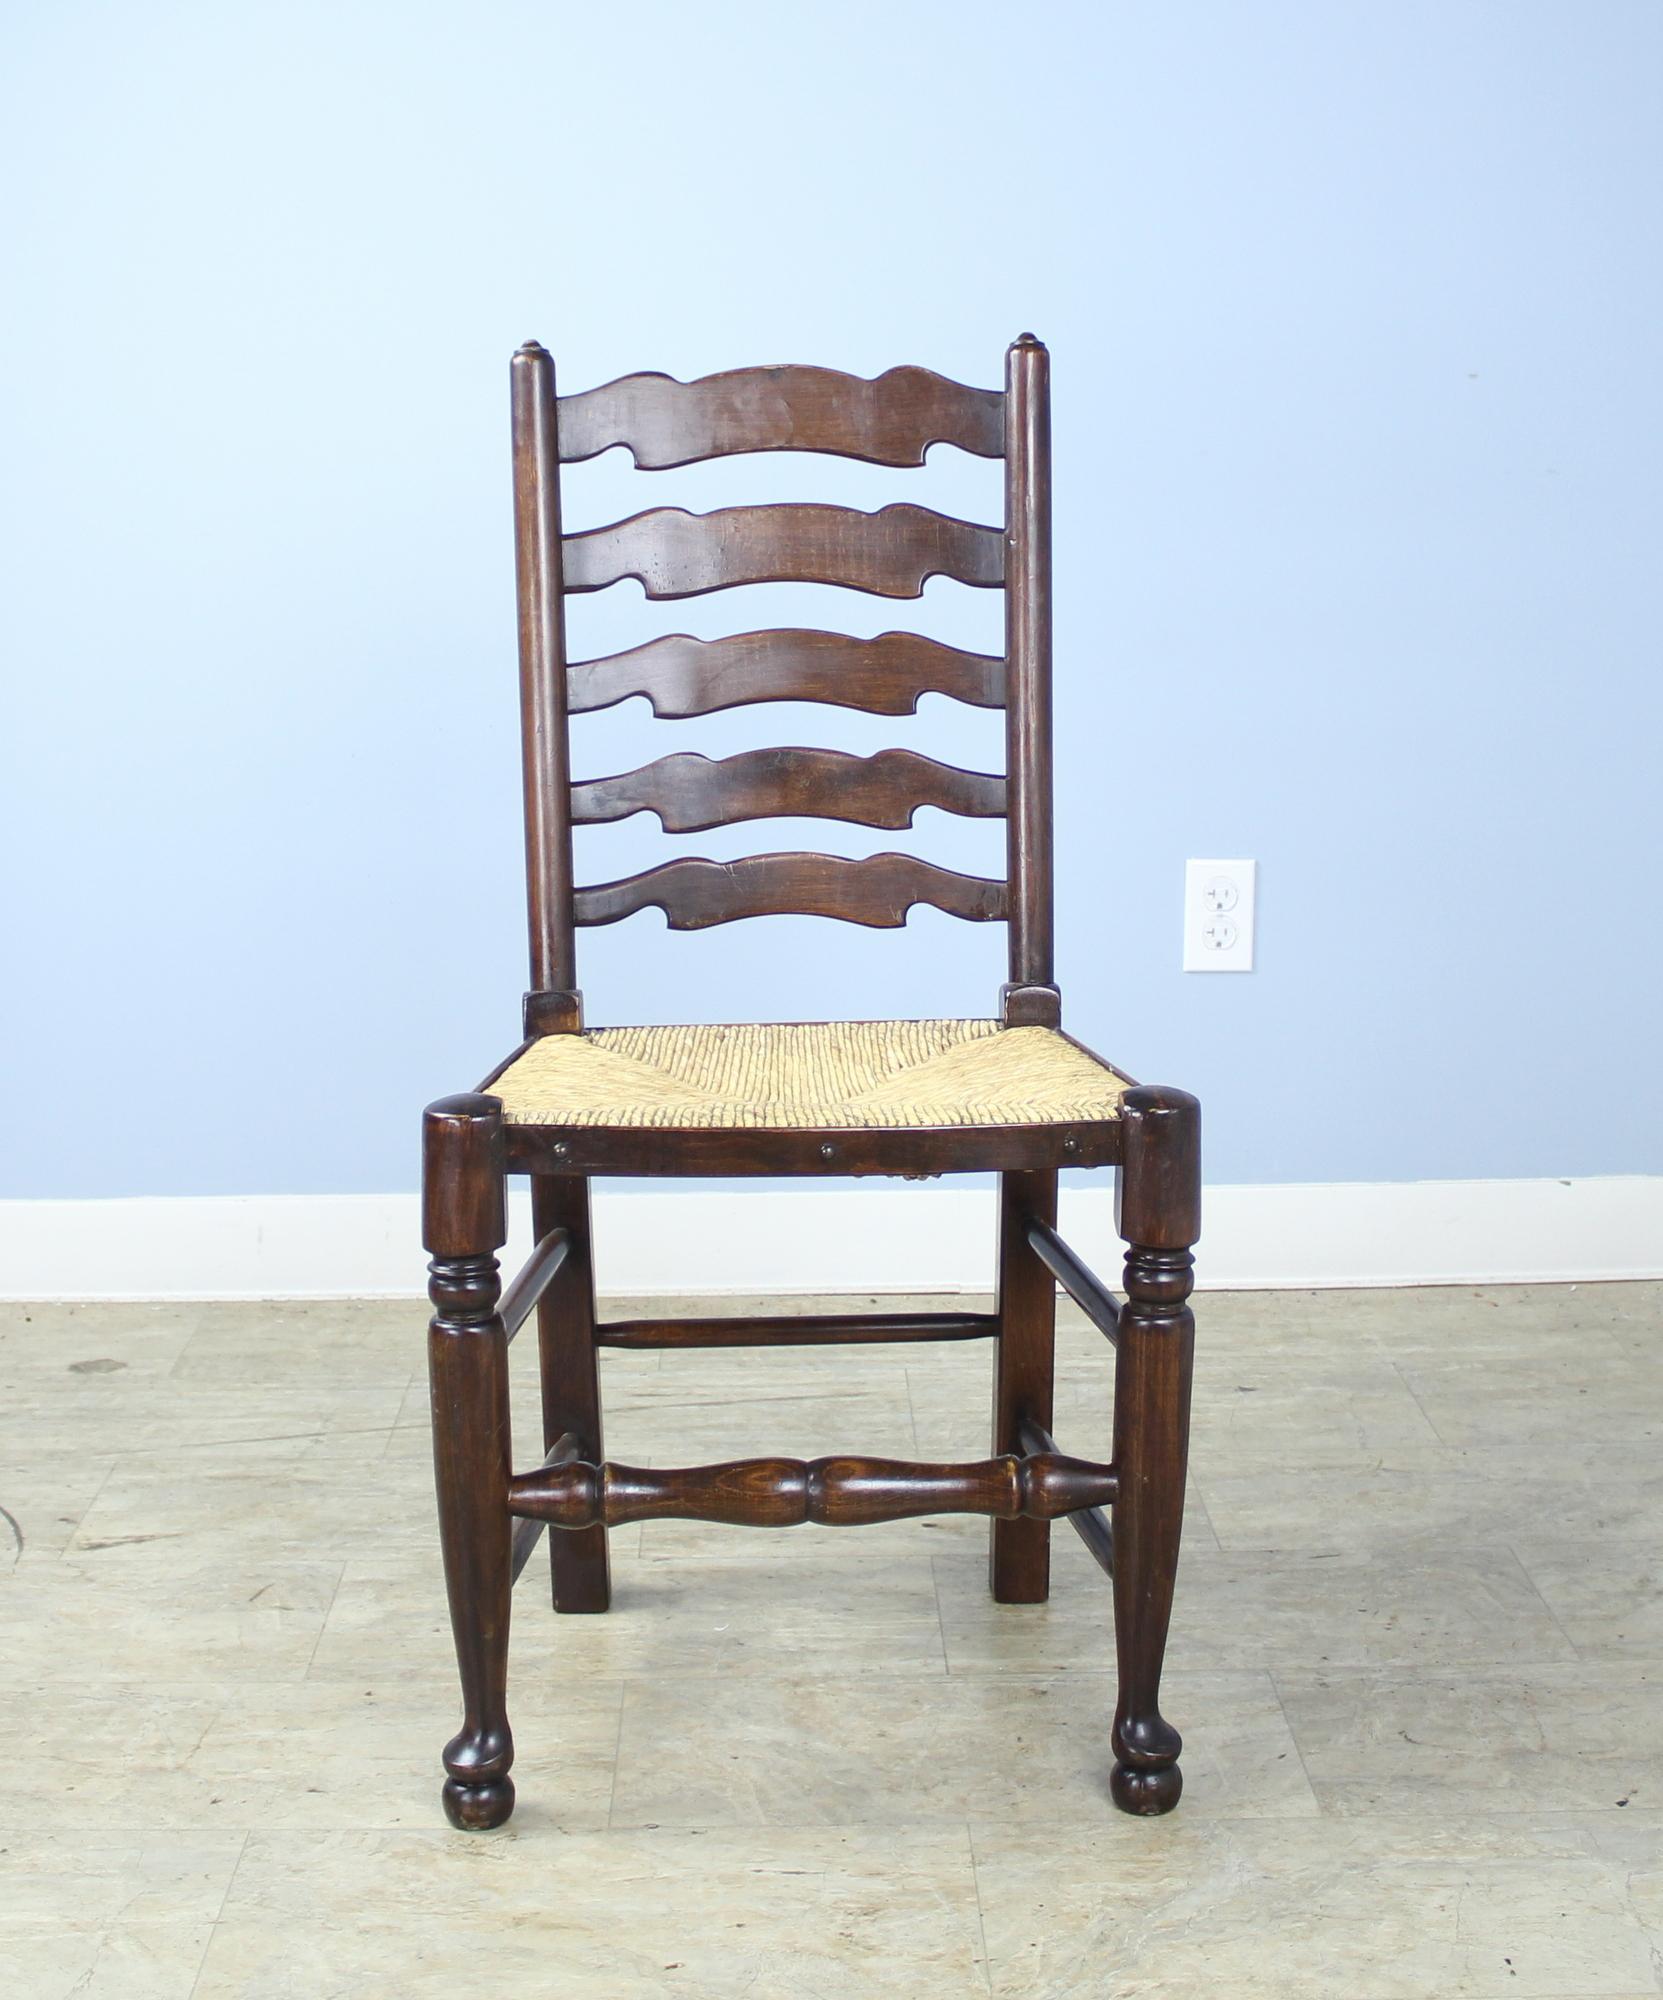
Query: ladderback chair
[(1008, 1093)]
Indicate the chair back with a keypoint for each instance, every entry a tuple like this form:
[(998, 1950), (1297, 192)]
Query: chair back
[(890, 421)]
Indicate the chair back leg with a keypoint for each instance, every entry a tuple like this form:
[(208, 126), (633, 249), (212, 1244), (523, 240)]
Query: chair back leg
[(571, 1380), (1019, 1552)]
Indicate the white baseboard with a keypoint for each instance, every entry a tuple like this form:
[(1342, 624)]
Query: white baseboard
[(892, 1239)]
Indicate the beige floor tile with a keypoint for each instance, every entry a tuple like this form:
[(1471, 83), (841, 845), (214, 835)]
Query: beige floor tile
[(357, 1343), (953, 1412), (131, 1379), (1538, 1739), (99, 1763), (45, 1496), (1333, 1416), (187, 1759), (1430, 1496), (274, 1500), (954, 1419), (885, 1543), (132, 1613), (758, 1613), (124, 1961), (757, 1773), (163, 1415), (1490, 1321), (71, 1345), (1463, 1607), (995, 1750), (687, 1431), (1593, 1394), (773, 1914), (117, 1919), (1306, 1910), (90, 1882), (1608, 1594), (1249, 1318)]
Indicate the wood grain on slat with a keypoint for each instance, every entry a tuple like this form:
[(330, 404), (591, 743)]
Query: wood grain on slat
[(877, 891), (690, 792), (893, 553), (681, 675), (890, 421)]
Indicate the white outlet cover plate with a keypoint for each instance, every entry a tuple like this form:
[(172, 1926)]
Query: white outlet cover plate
[(1219, 899)]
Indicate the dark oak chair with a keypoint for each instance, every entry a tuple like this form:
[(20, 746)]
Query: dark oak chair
[(1010, 1093)]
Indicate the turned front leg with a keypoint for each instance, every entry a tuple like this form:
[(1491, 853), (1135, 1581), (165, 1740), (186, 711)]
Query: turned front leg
[(1159, 1202), (464, 1224)]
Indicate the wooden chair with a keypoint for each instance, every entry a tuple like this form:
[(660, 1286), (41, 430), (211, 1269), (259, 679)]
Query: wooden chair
[(1011, 1093)]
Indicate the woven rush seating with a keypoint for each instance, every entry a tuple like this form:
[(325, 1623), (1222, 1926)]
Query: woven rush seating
[(808, 1075)]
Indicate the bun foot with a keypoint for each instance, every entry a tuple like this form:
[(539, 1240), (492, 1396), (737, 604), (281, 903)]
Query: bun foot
[(477, 1808), (1145, 1792)]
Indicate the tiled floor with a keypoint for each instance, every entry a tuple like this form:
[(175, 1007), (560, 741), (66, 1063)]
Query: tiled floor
[(1416, 1661)]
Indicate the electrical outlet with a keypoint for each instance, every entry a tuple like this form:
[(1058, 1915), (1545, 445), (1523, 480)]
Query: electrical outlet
[(1218, 915)]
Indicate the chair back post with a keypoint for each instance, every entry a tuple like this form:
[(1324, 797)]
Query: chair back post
[(553, 1004), (1031, 995)]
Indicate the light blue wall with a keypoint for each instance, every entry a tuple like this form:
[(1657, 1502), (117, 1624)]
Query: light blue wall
[(1355, 314)]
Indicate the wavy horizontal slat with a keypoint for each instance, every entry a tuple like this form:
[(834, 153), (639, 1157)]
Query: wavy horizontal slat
[(877, 891), (681, 675), (892, 420), (893, 553), (691, 793)]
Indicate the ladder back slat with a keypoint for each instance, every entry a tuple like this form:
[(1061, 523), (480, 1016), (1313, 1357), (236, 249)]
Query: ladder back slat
[(691, 793), (683, 676), (893, 553), (892, 420), (877, 891)]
